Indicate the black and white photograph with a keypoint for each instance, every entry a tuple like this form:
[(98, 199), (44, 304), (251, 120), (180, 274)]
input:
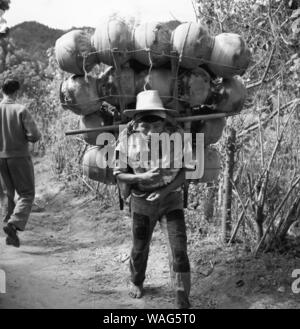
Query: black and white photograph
[(149, 157)]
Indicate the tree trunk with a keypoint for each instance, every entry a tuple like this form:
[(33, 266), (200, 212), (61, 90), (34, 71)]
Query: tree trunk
[(259, 222), (293, 216), (3, 54), (220, 194), (228, 178), (1, 200), (209, 202)]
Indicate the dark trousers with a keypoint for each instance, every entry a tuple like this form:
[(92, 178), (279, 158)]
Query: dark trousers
[(170, 214), (17, 176)]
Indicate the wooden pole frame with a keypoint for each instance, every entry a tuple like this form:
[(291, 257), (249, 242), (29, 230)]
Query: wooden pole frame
[(179, 119)]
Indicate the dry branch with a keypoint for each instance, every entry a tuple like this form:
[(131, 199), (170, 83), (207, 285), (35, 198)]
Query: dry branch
[(195, 10), (87, 184), (263, 178), (261, 140), (263, 191), (279, 139), (276, 213), (261, 81), (290, 218), (242, 215), (228, 176), (254, 126)]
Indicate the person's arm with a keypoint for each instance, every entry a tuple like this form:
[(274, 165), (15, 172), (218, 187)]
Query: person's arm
[(144, 178), (164, 191), (123, 172), (31, 130)]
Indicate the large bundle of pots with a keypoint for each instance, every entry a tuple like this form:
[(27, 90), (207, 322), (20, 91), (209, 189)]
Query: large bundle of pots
[(193, 71)]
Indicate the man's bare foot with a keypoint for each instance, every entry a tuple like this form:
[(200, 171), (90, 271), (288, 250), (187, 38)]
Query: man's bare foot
[(135, 291)]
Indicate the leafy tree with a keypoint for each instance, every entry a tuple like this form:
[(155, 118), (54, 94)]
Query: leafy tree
[(271, 28)]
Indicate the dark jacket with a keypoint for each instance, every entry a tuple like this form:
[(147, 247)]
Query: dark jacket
[(17, 129)]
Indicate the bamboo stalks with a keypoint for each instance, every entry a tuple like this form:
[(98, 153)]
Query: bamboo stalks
[(275, 215), (228, 177), (260, 186), (290, 218)]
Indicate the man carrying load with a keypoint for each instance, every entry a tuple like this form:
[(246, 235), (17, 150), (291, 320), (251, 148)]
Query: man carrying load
[(156, 192)]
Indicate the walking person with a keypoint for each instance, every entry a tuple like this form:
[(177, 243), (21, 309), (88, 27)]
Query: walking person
[(16, 168), (156, 194)]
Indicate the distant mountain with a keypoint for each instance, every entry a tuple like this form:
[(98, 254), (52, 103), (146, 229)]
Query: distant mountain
[(35, 38)]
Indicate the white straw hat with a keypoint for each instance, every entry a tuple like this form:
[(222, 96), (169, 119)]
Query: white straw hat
[(149, 102)]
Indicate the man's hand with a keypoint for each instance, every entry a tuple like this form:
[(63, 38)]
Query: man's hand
[(163, 192), (149, 176), (142, 178), (157, 195)]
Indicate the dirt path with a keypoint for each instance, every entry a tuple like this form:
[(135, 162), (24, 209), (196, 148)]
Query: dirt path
[(74, 254)]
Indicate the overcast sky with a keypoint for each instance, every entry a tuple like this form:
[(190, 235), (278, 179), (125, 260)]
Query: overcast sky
[(64, 14)]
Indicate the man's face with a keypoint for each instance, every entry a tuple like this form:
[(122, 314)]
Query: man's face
[(149, 128)]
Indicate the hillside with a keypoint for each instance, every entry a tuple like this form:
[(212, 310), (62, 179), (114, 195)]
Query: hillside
[(34, 38)]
